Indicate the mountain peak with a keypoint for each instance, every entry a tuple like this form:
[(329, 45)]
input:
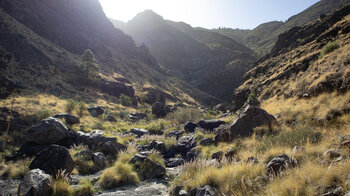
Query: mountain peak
[(147, 16)]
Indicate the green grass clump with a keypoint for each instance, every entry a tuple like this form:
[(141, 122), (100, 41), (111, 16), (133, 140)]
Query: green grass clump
[(328, 48), (43, 113), (156, 157), (70, 105), (83, 163), (61, 185), (183, 115), (15, 169), (125, 100), (121, 174), (85, 188)]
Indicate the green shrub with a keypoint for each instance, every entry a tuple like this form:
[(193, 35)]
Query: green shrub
[(125, 100), (183, 115), (85, 188), (121, 174), (61, 185), (328, 48), (156, 157), (70, 105), (14, 170), (43, 113), (81, 109)]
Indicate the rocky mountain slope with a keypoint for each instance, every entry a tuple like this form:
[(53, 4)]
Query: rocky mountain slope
[(52, 40), (262, 38), (207, 60), (303, 63)]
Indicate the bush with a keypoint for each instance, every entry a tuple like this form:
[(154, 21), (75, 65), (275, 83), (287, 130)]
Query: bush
[(81, 109), (183, 115), (61, 186), (43, 113), (15, 170), (84, 189), (156, 157), (121, 174), (125, 100), (328, 48), (70, 105)]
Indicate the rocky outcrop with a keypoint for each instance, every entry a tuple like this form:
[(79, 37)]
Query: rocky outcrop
[(96, 111), (116, 88), (69, 118), (137, 116), (160, 110), (279, 163), (210, 125), (35, 183), (94, 139), (48, 131), (146, 168), (139, 132), (53, 159), (190, 127)]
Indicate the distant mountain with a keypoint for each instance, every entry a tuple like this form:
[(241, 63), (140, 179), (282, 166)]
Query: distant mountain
[(41, 43), (262, 38), (210, 61)]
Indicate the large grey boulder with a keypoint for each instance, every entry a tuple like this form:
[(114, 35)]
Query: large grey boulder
[(206, 191), (94, 139), (279, 163), (95, 111), (53, 159), (250, 118), (35, 183), (210, 125), (190, 126), (139, 132), (146, 168), (47, 131), (69, 118)]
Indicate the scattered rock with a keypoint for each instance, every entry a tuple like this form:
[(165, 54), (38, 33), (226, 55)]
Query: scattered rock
[(52, 159), (174, 162), (332, 154), (111, 118), (345, 144), (139, 132), (69, 118), (297, 149), (112, 148), (250, 118), (279, 164), (206, 191), (96, 111), (146, 168), (207, 142), (222, 133), (158, 146), (137, 116), (160, 110), (46, 132), (93, 140), (230, 153), (210, 124), (99, 159), (190, 127), (335, 192), (35, 183), (176, 134), (218, 155), (116, 88), (183, 193), (192, 154), (185, 144)]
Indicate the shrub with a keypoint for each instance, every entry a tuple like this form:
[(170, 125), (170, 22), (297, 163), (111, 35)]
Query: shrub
[(15, 170), (84, 189), (121, 174), (61, 186), (70, 105), (125, 100), (328, 48), (81, 109), (183, 115), (43, 113), (157, 127), (156, 157)]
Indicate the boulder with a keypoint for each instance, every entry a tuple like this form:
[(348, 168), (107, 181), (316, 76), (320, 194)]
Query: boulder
[(279, 164), (250, 118), (99, 159), (185, 144), (158, 146), (207, 142), (96, 111), (46, 132), (146, 168), (35, 183), (332, 154), (217, 155), (230, 153), (160, 110), (53, 159), (137, 116), (69, 118), (111, 118), (93, 140), (176, 134), (116, 88), (192, 154), (190, 127), (210, 125), (174, 162), (206, 191), (139, 132), (222, 133), (112, 148)]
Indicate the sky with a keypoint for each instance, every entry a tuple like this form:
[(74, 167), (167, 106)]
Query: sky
[(243, 14)]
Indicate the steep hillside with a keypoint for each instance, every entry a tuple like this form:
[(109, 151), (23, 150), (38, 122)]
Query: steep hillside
[(306, 62), (52, 40), (262, 38), (210, 61)]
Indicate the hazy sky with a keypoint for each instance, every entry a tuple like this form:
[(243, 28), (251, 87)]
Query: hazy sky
[(242, 14)]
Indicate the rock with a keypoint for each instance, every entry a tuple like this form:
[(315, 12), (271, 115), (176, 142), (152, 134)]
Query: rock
[(222, 133), (176, 134), (230, 153), (174, 162), (112, 148), (93, 140), (186, 143), (46, 132), (345, 144), (190, 127), (139, 132), (220, 107), (217, 155), (206, 191), (252, 160), (183, 193), (207, 142), (146, 168), (250, 118), (35, 183), (158, 146), (69, 118), (297, 149), (137, 116), (111, 118), (335, 192), (29, 150), (192, 155), (160, 110), (116, 88), (332, 154), (52, 159), (210, 124), (99, 160), (279, 164), (96, 111)]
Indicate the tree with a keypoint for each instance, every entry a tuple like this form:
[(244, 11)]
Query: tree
[(88, 67)]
